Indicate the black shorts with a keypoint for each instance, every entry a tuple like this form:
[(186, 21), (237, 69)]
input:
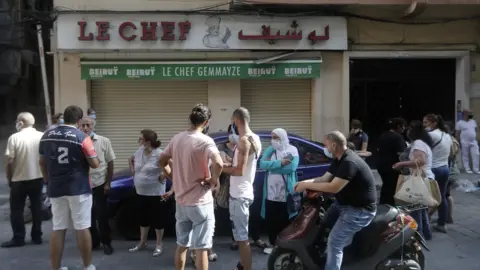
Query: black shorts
[(151, 211)]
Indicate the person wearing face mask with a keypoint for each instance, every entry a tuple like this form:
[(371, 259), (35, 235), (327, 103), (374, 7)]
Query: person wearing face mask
[(227, 155), (150, 186), (280, 160), (101, 178), (242, 175), (191, 152), (24, 179), (441, 148), (351, 180), (466, 133), (357, 136), (92, 113), (390, 146)]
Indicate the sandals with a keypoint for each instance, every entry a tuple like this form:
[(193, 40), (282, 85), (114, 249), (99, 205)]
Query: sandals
[(234, 246)]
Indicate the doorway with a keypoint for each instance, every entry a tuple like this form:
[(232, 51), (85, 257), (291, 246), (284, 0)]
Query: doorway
[(409, 88)]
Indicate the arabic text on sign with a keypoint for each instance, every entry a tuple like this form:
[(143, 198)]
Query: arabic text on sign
[(127, 31), (289, 35)]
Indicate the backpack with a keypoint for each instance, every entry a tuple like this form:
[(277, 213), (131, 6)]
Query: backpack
[(454, 149)]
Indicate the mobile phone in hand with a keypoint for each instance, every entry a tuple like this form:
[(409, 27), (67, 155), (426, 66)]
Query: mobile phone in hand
[(289, 157)]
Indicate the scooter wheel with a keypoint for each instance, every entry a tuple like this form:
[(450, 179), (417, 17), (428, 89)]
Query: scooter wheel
[(280, 259)]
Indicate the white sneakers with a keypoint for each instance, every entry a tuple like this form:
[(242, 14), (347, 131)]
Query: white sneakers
[(268, 250)]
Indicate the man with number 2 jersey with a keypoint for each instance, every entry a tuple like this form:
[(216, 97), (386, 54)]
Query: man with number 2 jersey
[(66, 156)]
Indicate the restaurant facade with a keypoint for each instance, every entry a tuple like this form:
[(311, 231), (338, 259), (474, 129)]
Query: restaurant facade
[(147, 71)]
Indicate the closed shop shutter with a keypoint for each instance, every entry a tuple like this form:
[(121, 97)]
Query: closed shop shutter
[(282, 103), (124, 108)]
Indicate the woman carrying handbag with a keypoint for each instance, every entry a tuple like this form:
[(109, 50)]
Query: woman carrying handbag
[(420, 155)]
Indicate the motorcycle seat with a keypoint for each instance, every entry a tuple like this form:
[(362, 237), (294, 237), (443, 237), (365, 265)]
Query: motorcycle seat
[(367, 241)]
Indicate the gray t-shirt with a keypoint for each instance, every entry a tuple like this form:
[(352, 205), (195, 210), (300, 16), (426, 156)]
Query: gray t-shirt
[(147, 173)]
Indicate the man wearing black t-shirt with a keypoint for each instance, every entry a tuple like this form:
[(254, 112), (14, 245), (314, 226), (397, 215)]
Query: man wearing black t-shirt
[(353, 184)]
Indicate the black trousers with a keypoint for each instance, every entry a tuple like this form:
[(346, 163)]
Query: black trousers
[(18, 194), (276, 217), (100, 229), (389, 184), (151, 211)]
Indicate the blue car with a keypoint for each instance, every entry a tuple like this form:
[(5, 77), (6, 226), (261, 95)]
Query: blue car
[(313, 163)]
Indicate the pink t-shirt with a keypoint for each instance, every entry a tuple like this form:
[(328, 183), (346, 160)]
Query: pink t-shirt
[(190, 152)]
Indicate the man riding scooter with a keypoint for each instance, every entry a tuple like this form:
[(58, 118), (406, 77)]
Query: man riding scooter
[(351, 180)]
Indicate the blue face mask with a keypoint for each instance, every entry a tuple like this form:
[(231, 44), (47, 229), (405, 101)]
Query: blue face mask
[(93, 116), (61, 121), (92, 133), (327, 153), (233, 138)]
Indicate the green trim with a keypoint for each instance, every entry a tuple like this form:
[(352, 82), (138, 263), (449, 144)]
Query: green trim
[(199, 70)]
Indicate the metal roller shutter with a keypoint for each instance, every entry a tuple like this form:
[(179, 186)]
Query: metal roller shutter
[(279, 104), (124, 108)]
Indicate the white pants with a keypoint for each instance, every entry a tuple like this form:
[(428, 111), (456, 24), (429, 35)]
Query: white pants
[(470, 148), (76, 209)]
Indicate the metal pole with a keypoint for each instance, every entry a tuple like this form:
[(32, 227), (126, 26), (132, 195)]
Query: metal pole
[(41, 52)]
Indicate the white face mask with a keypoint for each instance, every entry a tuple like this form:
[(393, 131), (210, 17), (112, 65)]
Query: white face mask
[(276, 144), (19, 126), (327, 153)]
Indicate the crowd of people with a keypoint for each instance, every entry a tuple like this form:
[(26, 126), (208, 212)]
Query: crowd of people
[(77, 165)]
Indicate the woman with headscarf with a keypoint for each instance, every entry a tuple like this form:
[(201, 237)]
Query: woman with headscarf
[(280, 161)]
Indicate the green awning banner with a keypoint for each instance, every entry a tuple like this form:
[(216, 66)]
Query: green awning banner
[(200, 70)]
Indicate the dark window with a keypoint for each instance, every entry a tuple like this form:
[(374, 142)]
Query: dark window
[(309, 154)]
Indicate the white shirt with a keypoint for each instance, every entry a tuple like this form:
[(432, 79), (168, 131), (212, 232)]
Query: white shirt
[(421, 146), (242, 186), (105, 153), (441, 151), (23, 148), (467, 130), (147, 173), (276, 189)]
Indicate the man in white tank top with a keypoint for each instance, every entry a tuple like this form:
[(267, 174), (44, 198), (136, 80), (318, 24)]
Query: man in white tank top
[(242, 171)]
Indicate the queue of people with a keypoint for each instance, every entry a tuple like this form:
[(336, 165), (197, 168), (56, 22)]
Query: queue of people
[(195, 165), (431, 148)]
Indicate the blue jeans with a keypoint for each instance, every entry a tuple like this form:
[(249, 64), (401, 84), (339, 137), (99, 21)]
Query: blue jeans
[(346, 221), (421, 217), (441, 175)]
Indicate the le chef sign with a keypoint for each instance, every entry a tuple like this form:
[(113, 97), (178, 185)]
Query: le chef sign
[(157, 32)]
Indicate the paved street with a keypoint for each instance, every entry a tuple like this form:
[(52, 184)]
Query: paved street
[(456, 250)]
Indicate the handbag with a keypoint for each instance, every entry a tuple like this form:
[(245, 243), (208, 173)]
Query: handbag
[(414, 190), (222, 195), (294, 199)]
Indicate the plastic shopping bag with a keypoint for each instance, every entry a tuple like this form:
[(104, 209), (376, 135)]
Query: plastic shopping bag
[(415, 191)]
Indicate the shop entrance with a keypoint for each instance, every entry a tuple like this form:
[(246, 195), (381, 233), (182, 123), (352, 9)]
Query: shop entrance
[(410, 88)]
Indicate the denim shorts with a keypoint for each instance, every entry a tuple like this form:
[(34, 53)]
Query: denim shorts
[(195, 225), (239, 214)]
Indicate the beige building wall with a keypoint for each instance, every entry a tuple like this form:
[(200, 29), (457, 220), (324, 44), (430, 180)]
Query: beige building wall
[(128, 5), (69, 88), (330, 95)]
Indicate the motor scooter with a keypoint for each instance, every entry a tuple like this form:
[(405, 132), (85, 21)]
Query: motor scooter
[(390, 242)]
